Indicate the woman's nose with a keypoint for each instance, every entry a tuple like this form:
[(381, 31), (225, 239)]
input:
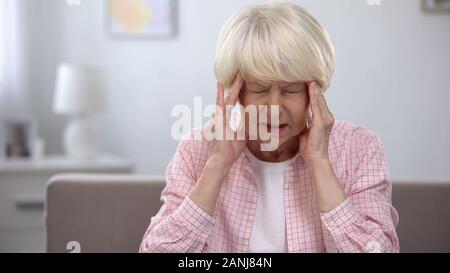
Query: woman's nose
[(275, 98)]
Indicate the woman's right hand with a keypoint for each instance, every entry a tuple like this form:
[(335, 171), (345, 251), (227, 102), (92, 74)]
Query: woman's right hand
[(224, 152), (227, 147)]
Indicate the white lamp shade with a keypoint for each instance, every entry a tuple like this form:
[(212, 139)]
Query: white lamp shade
[(79, 90)]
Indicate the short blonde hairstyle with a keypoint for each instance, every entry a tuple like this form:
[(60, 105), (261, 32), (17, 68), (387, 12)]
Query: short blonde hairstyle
[(278, 41)]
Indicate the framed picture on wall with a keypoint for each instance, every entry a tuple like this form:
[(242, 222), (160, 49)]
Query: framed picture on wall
[(436, 5), (141, 18), (17, 137)]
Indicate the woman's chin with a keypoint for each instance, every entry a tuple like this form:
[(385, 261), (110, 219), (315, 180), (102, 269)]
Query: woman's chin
[(275, 141)]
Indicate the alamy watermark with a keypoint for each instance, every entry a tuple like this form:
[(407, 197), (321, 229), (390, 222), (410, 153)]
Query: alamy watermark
[(373, 2), (73, 2), (74, 247), (232, 123)]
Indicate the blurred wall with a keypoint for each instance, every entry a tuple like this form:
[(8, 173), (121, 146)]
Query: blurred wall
[(392, 75)]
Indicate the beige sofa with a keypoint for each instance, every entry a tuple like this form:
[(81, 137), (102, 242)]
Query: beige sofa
[(110, 213), (103, 212)]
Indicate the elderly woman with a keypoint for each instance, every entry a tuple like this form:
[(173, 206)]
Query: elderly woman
[(325, 188)]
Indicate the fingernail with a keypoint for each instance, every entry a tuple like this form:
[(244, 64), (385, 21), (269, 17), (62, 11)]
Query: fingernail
[(315, 88)]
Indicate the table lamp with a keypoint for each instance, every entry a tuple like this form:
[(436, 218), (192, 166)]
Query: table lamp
[(79, 92)]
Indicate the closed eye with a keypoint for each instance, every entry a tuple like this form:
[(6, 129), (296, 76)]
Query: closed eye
[(293, 91), (258, 91)]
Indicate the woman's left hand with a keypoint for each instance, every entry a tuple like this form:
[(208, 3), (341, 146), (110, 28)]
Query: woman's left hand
[(314, 140), (314, 149)]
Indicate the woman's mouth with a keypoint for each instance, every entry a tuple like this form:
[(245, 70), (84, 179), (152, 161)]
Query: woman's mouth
[(280, 128)]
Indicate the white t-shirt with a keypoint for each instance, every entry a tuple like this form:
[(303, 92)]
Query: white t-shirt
[(269, 226)]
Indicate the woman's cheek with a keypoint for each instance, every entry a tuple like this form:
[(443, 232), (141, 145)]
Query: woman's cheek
[(299, 121)]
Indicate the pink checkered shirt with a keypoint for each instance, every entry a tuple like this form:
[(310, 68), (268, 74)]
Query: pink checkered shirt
[(364, 222)]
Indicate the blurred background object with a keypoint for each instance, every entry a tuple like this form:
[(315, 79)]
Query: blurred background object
[(141, 19), (23, 192), (17, 137), (79, 92), (391, 75), (17, 144), (436, 5)]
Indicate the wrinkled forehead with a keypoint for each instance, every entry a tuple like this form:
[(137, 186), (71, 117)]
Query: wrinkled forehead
[(250, 81)]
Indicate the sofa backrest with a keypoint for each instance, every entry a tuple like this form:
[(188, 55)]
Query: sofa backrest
[(100, 213), (110, 213), (423, 208)]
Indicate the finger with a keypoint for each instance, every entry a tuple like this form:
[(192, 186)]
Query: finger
[(208, 130), (219, 121), (211, 122), (240, 135), (322, 103), (235, 89), (309, 118), (327, 114), (230, 101), (220, 100), (220, 94), (328, 108), (314, 104)]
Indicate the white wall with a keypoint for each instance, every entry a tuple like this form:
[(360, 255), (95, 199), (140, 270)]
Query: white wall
[(14, 99), (392, 75)]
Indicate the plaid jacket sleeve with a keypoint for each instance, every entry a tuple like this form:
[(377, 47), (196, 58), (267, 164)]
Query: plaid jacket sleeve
[(366, 220), (180, 225)]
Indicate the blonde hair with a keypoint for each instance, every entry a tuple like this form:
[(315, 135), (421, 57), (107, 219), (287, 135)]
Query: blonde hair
[(278, 41)]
